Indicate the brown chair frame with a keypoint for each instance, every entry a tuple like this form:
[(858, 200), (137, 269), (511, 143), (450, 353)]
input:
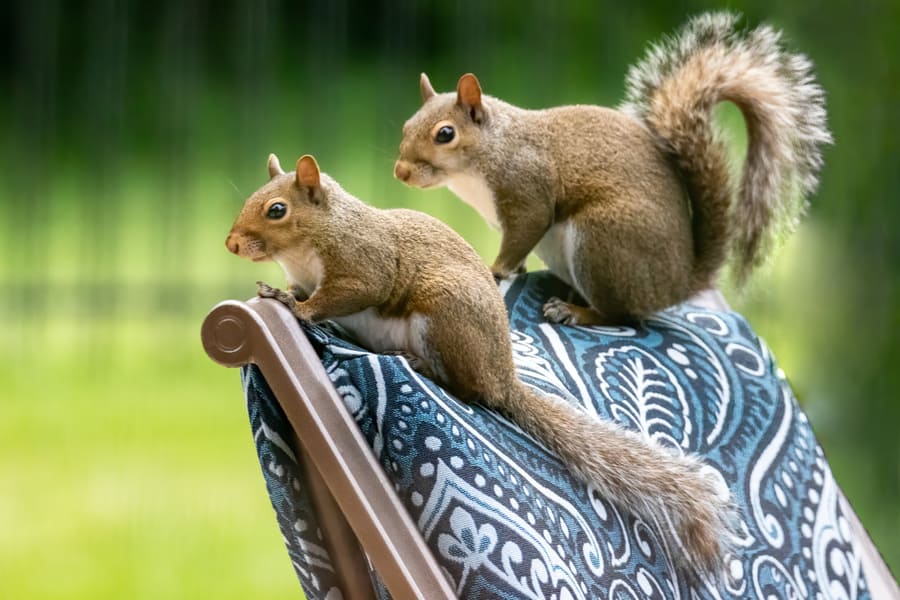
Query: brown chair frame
[(354, 500)]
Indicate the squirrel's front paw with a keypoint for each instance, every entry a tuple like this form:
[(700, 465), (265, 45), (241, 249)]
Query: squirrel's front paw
[(266, 291)]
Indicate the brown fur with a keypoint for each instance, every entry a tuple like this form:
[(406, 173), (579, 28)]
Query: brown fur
[(412, 268), (644, 191)]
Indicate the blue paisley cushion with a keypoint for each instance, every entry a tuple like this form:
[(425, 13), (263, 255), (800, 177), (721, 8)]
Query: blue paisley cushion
[(506, 519)]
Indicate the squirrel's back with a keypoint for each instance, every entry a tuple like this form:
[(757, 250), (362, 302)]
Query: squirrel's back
[(601, 154), (413, 230)]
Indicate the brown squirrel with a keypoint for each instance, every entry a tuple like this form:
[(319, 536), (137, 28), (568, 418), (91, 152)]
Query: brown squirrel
[(633, 207), (403, 282)]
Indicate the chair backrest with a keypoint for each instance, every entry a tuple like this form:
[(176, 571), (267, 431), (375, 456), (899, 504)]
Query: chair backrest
[(354, 500)]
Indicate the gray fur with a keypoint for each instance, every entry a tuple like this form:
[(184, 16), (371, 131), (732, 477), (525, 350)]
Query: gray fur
[(783, 105)]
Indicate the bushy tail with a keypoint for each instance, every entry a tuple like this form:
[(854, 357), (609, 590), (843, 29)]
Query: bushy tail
[(674, 88), (668, 491)]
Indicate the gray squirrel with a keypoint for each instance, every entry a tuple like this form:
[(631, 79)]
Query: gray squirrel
[(405, 283), (635, 208)]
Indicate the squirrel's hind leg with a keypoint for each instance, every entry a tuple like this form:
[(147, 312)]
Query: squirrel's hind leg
[(566, 313), (417, 363)]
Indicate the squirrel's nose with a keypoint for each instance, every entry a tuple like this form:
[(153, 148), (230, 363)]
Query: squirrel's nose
[(401, 171), (232, 244)]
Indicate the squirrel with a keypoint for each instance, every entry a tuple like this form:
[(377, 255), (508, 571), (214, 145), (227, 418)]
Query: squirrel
[(633, 207), (403, 282)]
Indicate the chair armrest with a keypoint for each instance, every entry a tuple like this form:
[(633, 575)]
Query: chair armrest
[(265, 333)]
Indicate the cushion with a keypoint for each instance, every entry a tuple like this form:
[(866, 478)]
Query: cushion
[(505, 518)]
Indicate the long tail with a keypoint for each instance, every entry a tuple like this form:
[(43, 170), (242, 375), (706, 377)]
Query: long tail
[(666, 490), (674, 88)]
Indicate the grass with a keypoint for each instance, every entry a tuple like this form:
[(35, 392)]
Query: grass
[(131, 470)]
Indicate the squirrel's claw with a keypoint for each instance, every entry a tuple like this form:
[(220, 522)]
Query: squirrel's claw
[(558, 311), (266, 291)]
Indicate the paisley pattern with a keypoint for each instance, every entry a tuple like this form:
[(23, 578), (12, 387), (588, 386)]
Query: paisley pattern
[(505, 518)]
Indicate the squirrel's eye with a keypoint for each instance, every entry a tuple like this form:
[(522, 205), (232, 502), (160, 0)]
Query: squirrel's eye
[(276, 211), (445, 134)]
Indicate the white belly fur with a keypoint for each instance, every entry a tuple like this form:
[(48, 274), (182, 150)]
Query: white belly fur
[(474, 191), (557, 250), (380, 334), (303, 267)]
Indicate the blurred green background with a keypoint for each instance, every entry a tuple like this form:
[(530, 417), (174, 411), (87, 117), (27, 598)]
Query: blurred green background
[(130, 134)]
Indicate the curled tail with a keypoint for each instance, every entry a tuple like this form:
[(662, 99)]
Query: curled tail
[(673, 90), (669, 492)]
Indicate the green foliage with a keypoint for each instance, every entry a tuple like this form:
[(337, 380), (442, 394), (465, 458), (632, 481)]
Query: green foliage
[(128, 467), (131, 133)]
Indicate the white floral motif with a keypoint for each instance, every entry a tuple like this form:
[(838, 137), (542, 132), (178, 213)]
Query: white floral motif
[(834, 561), (469, 545), (704, 355), (645, 393), (768, 523), (769, 573), (531, 363)]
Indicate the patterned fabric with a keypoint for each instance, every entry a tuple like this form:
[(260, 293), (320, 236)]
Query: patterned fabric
[(505, 518)]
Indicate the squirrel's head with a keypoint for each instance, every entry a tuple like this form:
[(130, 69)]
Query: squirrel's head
[(438, 139), (275, 216)]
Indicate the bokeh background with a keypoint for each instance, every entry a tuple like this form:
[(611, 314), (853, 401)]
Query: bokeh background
[(130, 134)]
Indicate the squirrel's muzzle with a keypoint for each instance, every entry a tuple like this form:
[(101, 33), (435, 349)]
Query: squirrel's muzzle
[(401, 171), (232, 243), (247, 246)]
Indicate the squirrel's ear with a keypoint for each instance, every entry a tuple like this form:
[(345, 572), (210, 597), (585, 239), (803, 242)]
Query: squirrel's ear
[(468, 95), (308, 177), (307, 172), (425, 87), (274, 166)]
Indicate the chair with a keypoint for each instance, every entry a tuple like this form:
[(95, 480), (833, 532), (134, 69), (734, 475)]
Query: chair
[(384, 485)]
